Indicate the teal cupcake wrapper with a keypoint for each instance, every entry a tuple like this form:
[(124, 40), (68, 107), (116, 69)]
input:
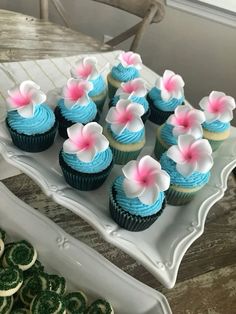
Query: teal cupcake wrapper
[(177, 198), (33, 143), (215, 144), (100, 103), (128, 221), (83, 181), (6, 304), (121, 157), (111, 90), (159, 149), (64, 124)]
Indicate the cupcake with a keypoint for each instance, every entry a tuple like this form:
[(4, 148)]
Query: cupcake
[(127, 69), (137, 199), (75, 106), (165, 96), (86, 69), (185, 120), (86, 159), (218, 109), (136, 91), (188, 164), (125, 130), (30, 121)]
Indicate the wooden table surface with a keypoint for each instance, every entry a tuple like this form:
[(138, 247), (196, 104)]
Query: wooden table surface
[(207, 276)]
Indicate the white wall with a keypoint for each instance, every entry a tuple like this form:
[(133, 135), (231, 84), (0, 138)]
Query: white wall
[(202, 51)]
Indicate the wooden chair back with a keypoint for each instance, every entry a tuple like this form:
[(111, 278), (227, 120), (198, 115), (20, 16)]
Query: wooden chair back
[(150, 11)]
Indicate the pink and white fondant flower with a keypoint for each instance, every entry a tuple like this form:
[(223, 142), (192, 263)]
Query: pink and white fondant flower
[(145, 179), (171, 85), (130, 59), (76, 92), (85, 69), (125, 115), (191, 155), (218, 106), (24, 97), (187, 120), (85, 141), (136, 88)]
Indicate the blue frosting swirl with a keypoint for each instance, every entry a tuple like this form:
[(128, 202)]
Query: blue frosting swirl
[(167, 135), (123, 74), (216, 126), (127, 137), (140, 100), (133, 205), (82, 114), (99, 86), (196, 179), (42, 121), (100, 162), (170, 105)]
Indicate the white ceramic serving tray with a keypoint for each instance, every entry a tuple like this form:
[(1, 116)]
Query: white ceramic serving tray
[(161, 247), (83, 267)]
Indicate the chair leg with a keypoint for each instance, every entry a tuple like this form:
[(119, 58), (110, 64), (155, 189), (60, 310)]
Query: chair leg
[(145, 23), (44, 12)]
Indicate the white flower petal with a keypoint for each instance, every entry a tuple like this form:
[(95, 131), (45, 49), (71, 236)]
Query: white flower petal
[(202, 146), (226, 116), (86, 85), (132, 189), (168, 74), (111, 116), (27, 86), (118, 128), (68, 103), (102, 143), (87, 155), (26, 111), (69, 147), (196, 131), (205, 163), (122, 104), (204, 103), (163, 180), (38, 97), (178, 130), (149, 195), (83, 101), (231, 102), (130, 169), (165, 95), (185, 141), (175, 154), (210, 116), (135, 125), (214, 95), (186, 169), (136, 109), (197, 115), (147, 162), (75, 131), (91, 128), (179, 110)]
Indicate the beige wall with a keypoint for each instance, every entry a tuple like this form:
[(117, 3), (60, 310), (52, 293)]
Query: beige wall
[(202, 51)]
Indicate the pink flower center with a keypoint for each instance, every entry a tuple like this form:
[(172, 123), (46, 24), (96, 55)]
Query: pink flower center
[(184, 121), (84, 70), (169, 85), (145, 177), (190, 155), (21, 100), (75, 92), (216, 106), (128, 58), (129, 88), (124, 117), (85, 142)]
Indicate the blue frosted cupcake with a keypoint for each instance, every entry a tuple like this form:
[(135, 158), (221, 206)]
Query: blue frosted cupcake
[(185, 120), (188, 164), (75, 106), (128, 69), (218, 109), (86, 69), (31, 123), (165, 96), (86, 159), (125, 130), (137, 199), (136, 91)]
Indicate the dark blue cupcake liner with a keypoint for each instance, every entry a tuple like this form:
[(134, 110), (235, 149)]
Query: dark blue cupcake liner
[(178, 198), (64, 124), (128, 221), (157, 116), (100, 102), (122, 157), (159, 149), (83, 181), (33, 143)]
